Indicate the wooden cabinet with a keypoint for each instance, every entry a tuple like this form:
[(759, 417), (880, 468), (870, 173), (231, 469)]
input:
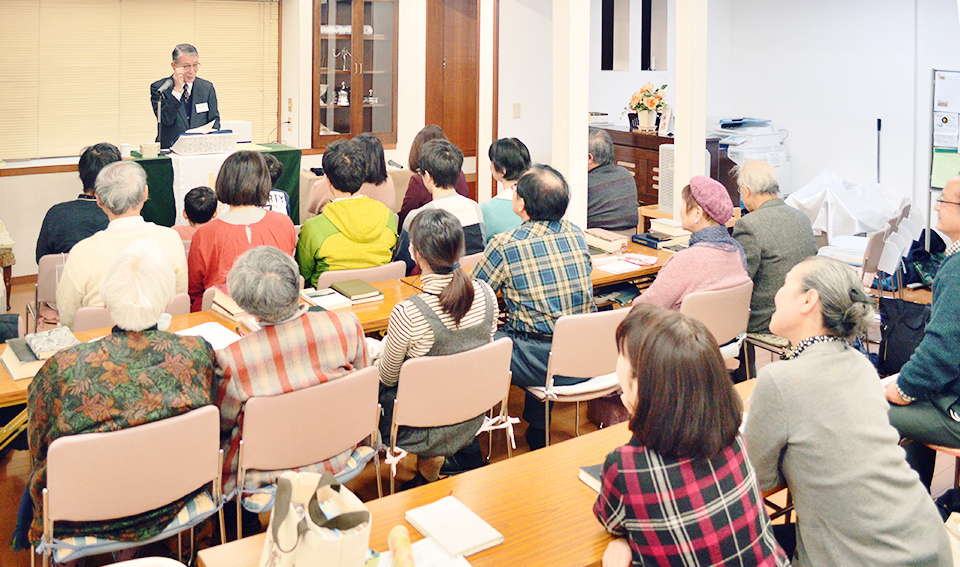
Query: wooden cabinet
[(640, 154), (354, 70)]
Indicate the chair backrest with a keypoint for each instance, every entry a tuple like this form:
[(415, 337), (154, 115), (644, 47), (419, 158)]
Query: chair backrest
[(91, 317), (102, 476), (179, 304), (585, 346), (206, 302), (310, 425), (871, 255), (48, 276), (470, 260), (725, 312), (391, 271), (444, 390), (891, 255)]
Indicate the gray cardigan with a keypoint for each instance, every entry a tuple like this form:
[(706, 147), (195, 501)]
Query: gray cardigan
[(775, 238), (819, 424)]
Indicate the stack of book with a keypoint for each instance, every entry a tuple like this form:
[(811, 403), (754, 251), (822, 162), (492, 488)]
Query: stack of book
[(358, 291), (225, 305), (24, 357), (326, 299), (664, 234)]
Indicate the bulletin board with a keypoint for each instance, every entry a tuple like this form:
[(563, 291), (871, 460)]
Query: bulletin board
[(945, 159)]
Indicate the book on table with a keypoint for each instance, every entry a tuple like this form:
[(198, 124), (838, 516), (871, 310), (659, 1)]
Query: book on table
[(19, 359), (326, 298), (591, 476), (455, 527), (48, 343), (605, 240), (358, 291), (225, 305)]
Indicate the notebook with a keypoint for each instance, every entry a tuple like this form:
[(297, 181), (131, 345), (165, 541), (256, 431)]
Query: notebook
[(457, 529), (356, 289), (591, 476)]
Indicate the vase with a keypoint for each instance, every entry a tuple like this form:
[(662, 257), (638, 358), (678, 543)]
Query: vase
[(646, 120)]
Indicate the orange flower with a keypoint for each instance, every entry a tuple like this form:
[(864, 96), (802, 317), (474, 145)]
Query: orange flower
[(650, 102), (647, 88), (137, 341), (97, 358), (636, 100), (97, 409), (115, 374)]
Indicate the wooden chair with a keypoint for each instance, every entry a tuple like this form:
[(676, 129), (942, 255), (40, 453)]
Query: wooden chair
[(45, 290), (469, 384), (469, 261), (725, 313), (391, 271), (103, 476), (309, 426), (953, 453), (584, 346)]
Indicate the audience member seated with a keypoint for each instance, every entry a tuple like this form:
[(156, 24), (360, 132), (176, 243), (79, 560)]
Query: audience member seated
[(509, 158), (774, 236), (542, 270), (199, 208), (294, 349), (277, 200), (611, 189), (454, 313), (818, 424), (377, 184), (440, 163), (713, 261), (354, 231), (121, 192), (417, 194), (133, 376), (68, 223), (244, 184), (926, 395), (682, 491)]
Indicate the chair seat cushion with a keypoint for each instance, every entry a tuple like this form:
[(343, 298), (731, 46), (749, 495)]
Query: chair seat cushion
[(595, 384), (75, 547), (260, 499)]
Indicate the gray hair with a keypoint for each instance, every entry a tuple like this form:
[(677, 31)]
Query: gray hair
[(121, 186), (265, 283), (846, 309), (600, 146), (138, 285), (184, 49), (758, 176)]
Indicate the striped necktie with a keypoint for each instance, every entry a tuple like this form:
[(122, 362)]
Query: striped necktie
[(186, 98)]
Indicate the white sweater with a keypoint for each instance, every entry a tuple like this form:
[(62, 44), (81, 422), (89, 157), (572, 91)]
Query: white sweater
[(89, 259)]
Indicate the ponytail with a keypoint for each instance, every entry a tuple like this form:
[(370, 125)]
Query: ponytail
[(457, 297)]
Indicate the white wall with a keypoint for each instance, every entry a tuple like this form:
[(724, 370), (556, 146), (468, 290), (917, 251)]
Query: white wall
[(938, 47), (526, 75), (825, 71)]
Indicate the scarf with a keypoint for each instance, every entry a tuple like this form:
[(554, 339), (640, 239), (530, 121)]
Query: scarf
[(718, 237)]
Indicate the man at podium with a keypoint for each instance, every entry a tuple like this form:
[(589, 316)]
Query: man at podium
[(186, 101)]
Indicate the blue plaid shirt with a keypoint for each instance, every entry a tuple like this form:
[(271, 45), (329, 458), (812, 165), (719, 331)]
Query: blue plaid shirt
[(542, 270)]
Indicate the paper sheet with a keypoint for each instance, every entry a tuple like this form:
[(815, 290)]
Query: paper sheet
[(427, 553), (946, 92), (946, 166), (946, 130), (216, 334)]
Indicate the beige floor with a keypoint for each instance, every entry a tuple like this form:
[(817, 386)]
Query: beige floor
[(15, 466)]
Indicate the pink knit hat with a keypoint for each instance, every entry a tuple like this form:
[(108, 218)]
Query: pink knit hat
[(712, 198)]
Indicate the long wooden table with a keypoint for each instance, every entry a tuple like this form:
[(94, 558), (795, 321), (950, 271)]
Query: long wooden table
[(536, 500), (599, 277)]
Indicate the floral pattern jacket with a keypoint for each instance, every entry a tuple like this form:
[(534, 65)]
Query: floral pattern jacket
[(123, 380)]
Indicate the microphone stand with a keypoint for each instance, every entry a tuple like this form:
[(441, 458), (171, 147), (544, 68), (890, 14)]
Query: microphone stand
[(159, 119)]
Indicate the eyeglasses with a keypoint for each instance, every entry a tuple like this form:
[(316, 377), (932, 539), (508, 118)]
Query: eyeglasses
[(944, 202), (195, 66)]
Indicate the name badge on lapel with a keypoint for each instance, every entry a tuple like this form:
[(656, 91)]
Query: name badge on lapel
[(202, 107)]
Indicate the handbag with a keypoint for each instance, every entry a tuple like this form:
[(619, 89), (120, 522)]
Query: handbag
[(902, 324), (607, 411), (315, 521)]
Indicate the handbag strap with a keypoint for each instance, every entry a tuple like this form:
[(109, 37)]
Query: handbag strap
[(344, 521), (281, 507)]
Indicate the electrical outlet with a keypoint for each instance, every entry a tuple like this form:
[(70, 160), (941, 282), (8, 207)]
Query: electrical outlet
[(516, 110)]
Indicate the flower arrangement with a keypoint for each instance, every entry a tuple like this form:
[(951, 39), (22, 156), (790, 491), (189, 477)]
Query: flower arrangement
[(647, 98)]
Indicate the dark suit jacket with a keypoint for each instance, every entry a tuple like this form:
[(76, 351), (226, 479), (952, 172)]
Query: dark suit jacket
[(175, 120)]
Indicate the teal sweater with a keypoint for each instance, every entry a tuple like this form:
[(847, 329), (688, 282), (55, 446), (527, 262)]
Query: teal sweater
[(934, 367)]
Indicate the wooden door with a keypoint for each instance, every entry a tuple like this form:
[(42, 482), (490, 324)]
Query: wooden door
[(453, 66)]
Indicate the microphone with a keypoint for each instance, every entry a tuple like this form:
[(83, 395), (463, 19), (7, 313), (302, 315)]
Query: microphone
[(392, 163), (165, 85)]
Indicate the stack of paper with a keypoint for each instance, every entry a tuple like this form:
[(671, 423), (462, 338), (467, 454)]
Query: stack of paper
[(455, 527)]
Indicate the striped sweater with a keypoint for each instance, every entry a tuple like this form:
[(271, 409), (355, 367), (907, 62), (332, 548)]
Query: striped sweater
[(408, 332)]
